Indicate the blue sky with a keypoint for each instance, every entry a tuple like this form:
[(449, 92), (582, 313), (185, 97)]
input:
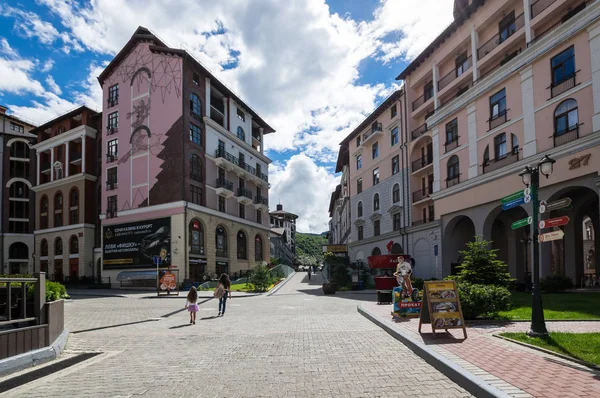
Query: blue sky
[(313, 69)]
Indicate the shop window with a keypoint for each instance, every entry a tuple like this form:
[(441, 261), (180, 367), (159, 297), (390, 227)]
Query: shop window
[(258, 248), (74, 245), (242, 246), (221, 241), (196, 237)]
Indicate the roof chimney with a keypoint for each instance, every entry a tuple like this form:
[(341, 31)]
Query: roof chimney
[(279, 207)]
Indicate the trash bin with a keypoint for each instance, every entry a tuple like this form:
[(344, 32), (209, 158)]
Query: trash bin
[(361, 285)]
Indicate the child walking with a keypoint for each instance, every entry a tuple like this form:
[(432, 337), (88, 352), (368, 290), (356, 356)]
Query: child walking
[(191, 304)]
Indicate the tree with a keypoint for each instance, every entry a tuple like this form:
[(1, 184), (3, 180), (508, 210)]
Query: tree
[(338, 270), (480, 265)]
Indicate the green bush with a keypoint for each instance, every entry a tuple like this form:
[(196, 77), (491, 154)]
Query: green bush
[(556, 283), (480, 266), (260, 278), (483, 301), (339, 270), (54, 291)]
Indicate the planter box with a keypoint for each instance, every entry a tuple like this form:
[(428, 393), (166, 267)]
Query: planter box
[(329, 288)]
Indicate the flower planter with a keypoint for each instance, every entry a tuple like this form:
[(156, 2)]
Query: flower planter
[(329, 288)]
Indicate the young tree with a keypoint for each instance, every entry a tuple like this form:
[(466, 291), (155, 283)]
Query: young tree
[(480, 265)]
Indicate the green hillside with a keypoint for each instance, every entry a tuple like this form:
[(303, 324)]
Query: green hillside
[(310, 245)]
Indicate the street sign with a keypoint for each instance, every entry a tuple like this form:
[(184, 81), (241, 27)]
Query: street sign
[(522, 222), (516, 195), (516, 202), (557, 204), (549, 236), (554, 222), (157, 260)]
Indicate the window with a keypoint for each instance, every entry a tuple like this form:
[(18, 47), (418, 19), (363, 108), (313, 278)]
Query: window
[(462, 64), (563, 66), (195, 105), (360, 232), (500, 146), (196, 79), (221, 241), (358, 162), (113, 121), (453, 170), (195, 167), (58, 247), (197, 237), (19, 190), (58, 209), (195, 134), (44, 212), (359, 185), (376, 176), (242, 246), (17, 127), (44, 248), (19, 149), (359, 209), (358, 140), (240, 133), (452, 131), (258, 248), (375, 150), (196, 192), (74, 206), (394, 111), (498, 104), (395, 136), (431, 213), (73, 245), (428, 90), (241, 115), (111, 204), (113, 95), (377, 227), (111, 178), (396, 193), (486, 155), (515, 144), (242, 210), (396, 221), (395, 165), (112, 148), (221, 204), (507, 27), (376, 202), (259, 216), (566, 117)]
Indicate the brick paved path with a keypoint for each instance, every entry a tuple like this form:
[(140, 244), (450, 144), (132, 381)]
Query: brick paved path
[(517, 370), (295, 343)]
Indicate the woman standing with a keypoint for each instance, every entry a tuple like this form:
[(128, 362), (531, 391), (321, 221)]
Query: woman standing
[(222, 291)]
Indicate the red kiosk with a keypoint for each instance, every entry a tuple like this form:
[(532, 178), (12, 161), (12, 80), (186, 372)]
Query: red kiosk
[(385, 281)]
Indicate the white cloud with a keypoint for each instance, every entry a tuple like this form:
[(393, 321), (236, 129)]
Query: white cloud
[(53, 86), (303, 188), (6, 49), (48, 65), (16, 72)]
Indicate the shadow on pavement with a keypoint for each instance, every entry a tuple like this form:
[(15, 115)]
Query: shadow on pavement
[(181, 326), (441, 338), (349, 295), (206, 318), (113, 326)]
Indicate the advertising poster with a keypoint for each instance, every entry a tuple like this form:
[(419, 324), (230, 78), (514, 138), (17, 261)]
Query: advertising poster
[(441, 307), (133, 245), (168, 281)]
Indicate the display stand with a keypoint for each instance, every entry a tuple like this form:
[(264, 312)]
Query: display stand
[(441, 307)]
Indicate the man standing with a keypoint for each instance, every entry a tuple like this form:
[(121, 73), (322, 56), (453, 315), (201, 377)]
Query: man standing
[(309, 271)]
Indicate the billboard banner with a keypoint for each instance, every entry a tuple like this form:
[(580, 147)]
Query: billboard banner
[(133, 245)]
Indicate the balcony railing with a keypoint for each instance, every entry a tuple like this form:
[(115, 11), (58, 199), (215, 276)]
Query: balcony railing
[(111, 214), (453, 74), (419, 131), (248, 168), (450, 145), (112, 101), (560, 87), (224, 183), (422, 162), (498, 120), (498, 39), (45, 166), (111, 157), (422, 193), (220, 153), (261, 200), (421, 222), (111, 186), (244, 192), (567, 136), (496, 164), (75, 156), (219, 106), (421, 100), (450, 182), (111, 130), (539, 6), (263, 177), (376, 128)]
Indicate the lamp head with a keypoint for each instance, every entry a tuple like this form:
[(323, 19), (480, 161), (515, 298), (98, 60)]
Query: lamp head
[(526, 175), (546, 165)]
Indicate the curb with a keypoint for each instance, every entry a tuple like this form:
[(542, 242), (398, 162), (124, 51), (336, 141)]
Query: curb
[(279, 286), (34, 358), (473, 384)]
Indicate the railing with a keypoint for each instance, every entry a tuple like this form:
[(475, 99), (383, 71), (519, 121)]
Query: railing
[(450, 145), (422, 193), (497, 39), (261, 200), (248, 168), (75, 156), (223, 183), (111, 186), (420, 101), (112, 101), (422, 162), (498, 119), (453, 74), (501, 162), (377, 127), (111, 214), (111, 157), (13, 307), (562, 86), (539, 6), (419, 131), (218, 106), (567, 136), (220, 153), (111, 130), (244, 192), (263, 177), (450, 182), (45, 166)]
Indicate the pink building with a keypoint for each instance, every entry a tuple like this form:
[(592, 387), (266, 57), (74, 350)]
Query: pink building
[(505, 84), (184, 169)]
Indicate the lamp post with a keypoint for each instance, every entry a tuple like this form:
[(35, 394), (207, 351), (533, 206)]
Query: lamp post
[(531, 178)]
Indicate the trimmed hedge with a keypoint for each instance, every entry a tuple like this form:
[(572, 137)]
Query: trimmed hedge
[(483, 301), (556, 284)]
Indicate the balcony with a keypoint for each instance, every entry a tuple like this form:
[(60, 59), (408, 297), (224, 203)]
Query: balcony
[(453, 74), (376, 130), (111, 186), (230, 162), (224, 187), (450, 182), (248, 168), (539, 6), (75, 158), (505, 160), (571, 12), (450, 145), (112, 101), (498, 119), (422, 194), (419, 131), (111, 157), (567, 136), (422, 162), (111, 214), (261, 202), (112, 130), (562, 86), (244, 196), (501, 37), (421, 100), (45, 167)]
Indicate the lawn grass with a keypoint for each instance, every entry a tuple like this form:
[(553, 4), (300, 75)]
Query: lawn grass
[(238, 287), (583, 346), (557, 306)]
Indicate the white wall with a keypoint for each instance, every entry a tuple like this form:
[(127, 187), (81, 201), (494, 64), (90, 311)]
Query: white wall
[(212, 143)]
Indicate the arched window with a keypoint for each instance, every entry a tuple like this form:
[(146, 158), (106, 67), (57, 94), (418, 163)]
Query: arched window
[(242, 246), (258, 248), (360, 209), (74, 206), (44, 212), (514, 144), (19, 149), (44, 248), (58, 209), (58, 247), (195, 167), (195, 105), (396, 193), (18, 251), (73, 245), (566, 117), (240, 133), (197, 237), (19, 189), (221, 241), (376, 252), (376, 202)]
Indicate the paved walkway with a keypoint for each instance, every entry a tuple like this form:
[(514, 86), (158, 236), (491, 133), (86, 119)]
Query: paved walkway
[(515, 369), (295, 343)]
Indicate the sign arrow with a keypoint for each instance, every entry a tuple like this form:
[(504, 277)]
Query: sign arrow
[(516, 202), (522, 222), (557, 204), (550, 236), (516, 195), (554, 222)]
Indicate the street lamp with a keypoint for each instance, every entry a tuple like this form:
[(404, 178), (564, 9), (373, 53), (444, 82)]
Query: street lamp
[(531, 178)]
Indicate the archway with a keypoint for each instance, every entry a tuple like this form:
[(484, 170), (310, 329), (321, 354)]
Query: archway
[(18, 257), (424, 266), (457, 233), (376, 251)]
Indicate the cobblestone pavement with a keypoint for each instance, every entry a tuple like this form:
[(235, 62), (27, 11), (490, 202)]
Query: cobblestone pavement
[(517, 370), (295, 343)]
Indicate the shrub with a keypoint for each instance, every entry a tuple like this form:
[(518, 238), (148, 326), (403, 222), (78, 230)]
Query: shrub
[(480, 266), (54, 291), (483, 301), (260, 278), (338, 270), (556, 283)]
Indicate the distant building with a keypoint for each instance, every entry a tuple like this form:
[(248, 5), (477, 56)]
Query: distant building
[(339, 204), (283, 225), (280, 247)]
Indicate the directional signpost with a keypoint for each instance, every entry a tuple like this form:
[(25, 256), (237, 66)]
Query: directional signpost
[(557, 204), (522, 222), (516, 199), (550, 236), (554, 222)]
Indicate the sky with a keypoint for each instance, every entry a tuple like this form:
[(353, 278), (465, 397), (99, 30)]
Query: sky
[(313, 69)]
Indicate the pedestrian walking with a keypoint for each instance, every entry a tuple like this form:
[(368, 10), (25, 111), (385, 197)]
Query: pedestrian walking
[(191, 304), (222, 292), (309, 272)]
